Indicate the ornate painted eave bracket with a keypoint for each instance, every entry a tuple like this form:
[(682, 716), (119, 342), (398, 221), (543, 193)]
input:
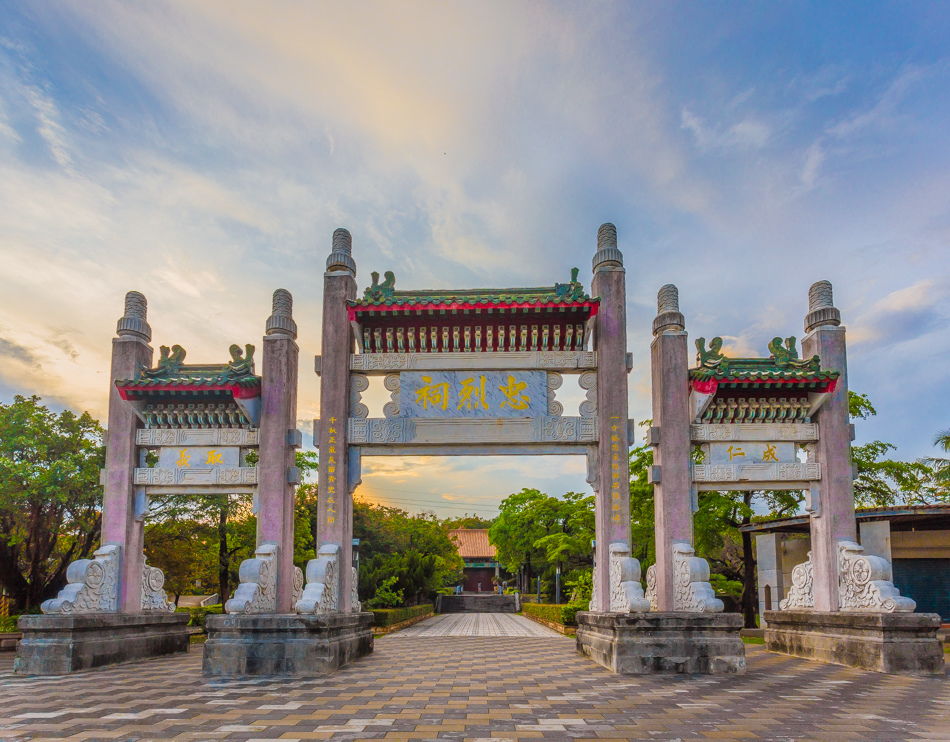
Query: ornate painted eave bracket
[(779, 389), (155, 393), (551, 318)]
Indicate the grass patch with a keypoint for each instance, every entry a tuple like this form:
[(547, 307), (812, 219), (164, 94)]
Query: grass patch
[(753, 640)]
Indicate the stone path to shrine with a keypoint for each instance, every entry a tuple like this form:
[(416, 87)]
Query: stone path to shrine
[(475, 688), (477, 624)]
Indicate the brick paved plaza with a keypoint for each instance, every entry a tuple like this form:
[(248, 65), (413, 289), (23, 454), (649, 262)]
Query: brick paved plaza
[(464, 687)]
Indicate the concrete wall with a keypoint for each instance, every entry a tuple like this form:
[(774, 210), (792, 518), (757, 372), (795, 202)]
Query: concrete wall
[(920, 544)]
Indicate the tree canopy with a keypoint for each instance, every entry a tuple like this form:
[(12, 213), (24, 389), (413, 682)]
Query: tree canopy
[(50, 496)]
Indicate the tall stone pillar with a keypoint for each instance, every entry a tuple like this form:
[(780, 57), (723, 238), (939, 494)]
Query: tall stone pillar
[(131, 353), (834, 520), (278, 439), (335, 510), (669, 361), (612, 520)]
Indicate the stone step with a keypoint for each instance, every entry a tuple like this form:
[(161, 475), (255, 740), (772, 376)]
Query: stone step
[(487, 603)]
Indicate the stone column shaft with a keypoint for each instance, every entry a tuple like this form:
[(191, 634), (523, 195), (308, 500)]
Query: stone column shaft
[(669, 365), (835, 521), (130, 354), (612, 491), (836, 518), (275, 517), (335, 508)]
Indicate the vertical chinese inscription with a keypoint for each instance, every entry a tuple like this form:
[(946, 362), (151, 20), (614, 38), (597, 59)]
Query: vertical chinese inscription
[(331, 473), (616, 475)]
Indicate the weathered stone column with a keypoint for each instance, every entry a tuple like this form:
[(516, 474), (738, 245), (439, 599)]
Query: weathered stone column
[(131, 353), (278, 439), (335, 511), (612, 489), (835, 518), (671, 454)]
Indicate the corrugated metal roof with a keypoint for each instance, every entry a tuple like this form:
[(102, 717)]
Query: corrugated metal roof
[(472, 543)]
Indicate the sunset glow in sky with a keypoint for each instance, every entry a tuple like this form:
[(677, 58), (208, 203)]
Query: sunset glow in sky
[(203, 153)]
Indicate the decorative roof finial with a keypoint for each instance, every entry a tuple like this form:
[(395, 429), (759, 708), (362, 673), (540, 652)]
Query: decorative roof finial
[(607, 255), (341, 258), (133, 322), (821, 308), (668, 316), (281, 321)]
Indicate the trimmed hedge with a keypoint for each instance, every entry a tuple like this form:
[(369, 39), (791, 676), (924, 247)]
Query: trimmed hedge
[(562, 613), (198, 614), (390, 616)]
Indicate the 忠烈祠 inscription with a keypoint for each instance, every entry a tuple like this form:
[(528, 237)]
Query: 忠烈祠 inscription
[(463, 394)]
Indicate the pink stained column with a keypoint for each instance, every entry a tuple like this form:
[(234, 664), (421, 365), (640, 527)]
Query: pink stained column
[(612, 493), (275, 492), (835, 520), (130, 354), (669, 363), (335, 504)]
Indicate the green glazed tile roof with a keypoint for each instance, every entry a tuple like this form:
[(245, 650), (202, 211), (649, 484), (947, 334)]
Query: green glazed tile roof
[(783, 365), (385, 294), (172, 371)]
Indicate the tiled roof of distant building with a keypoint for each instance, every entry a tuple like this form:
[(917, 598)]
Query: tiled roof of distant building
[(472, 543)]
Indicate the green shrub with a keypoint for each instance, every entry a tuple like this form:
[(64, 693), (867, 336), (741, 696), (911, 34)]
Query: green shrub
[(199, 613), (562, 613), (385, 596), (8, 624), (384, 617)]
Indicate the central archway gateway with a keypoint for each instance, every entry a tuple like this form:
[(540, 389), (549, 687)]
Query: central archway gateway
[(474, 372)]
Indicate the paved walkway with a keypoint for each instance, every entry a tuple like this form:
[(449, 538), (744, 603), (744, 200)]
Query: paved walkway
[(477, 624), (472, 688)]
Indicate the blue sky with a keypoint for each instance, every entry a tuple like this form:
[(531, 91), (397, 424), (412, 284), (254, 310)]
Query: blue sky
[(203, 153)]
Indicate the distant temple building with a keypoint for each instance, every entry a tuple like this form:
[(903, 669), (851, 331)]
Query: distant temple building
[(479, 557)]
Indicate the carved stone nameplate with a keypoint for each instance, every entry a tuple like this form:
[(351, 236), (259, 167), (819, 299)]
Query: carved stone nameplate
[(751, 452), (484, 361), (468, 394), (197, 437), (421, 431), (756, 432), (763, 473), (196, 476)]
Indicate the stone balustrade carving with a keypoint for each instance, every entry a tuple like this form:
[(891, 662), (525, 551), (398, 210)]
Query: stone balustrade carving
[(154, 598), (92, 584), (626, 592), (801, 595), (322, 591), (865, 582), (692, 592), (257, 592)]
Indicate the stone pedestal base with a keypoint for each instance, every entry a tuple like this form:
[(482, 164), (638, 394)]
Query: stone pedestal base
[(61, 644), (904, 643), (663, 643), (292, 645)]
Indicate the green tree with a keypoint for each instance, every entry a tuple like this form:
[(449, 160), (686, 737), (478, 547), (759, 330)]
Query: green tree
[(883, 481), (50, 496), (183, 550), (415, 552), (540, 533)]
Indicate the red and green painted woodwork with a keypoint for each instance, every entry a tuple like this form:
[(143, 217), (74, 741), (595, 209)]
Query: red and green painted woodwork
[(476, 320)]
